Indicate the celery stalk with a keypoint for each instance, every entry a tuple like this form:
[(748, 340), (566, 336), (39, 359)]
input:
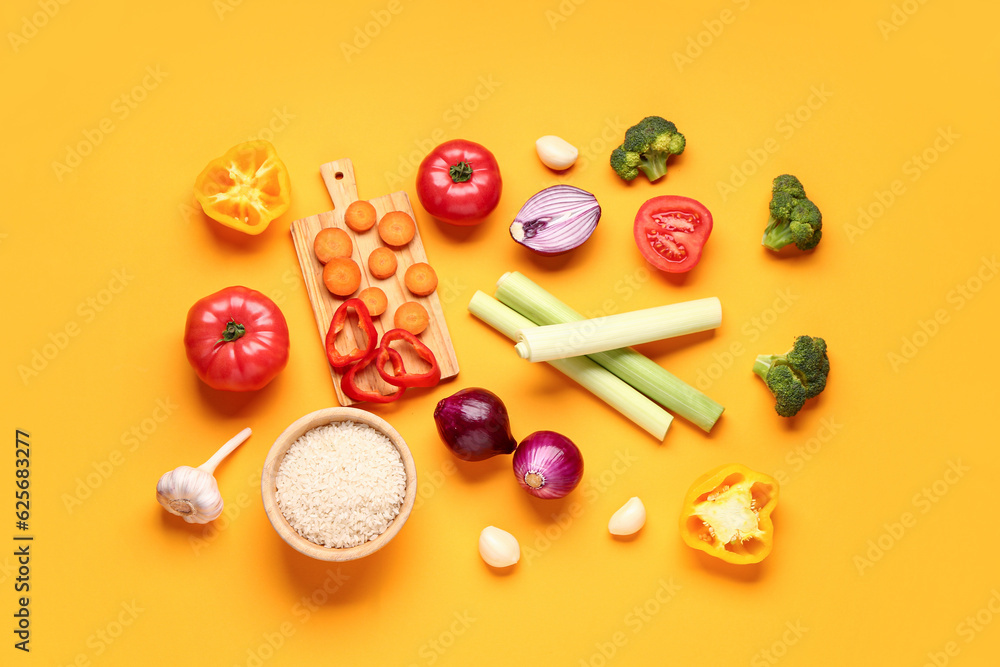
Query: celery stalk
[(573, 339), (603, 384), (520, 293)]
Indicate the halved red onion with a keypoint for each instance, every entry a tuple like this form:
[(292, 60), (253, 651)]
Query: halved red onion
[(556, 220), (548, 465)]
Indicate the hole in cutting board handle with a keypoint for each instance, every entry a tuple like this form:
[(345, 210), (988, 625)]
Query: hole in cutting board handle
[(339, 175)]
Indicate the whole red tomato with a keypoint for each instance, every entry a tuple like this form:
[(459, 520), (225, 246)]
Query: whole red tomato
[(236, 339), (671, 231), (459, 182)]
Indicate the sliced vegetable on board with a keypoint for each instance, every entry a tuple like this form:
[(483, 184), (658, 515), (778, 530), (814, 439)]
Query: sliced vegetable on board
[(459, 182), (236, 339), (671, 232), (246, 188), (727, 514)]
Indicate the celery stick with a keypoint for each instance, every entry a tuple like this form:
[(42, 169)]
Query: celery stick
[(520, 293), (573, 339), (606, 386)]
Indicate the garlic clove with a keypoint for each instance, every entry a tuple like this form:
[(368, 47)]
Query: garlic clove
[(629, 518), (498, 547), (556, 153)]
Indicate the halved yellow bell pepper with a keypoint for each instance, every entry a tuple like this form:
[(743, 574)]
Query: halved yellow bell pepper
[(246, 188), (727, 514)]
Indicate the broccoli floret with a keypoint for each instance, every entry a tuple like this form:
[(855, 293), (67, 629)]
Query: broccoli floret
[(795, 376), (646, 148), (794, 218)]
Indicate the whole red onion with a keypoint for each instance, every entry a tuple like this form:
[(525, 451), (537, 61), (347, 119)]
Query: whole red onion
[(547, 464), (473, 423)]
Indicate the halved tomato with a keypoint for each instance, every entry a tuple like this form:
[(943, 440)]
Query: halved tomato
[(671, 231)]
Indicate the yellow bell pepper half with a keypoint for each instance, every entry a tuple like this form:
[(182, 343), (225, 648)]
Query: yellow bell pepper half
[(246, 188), (727, 514)]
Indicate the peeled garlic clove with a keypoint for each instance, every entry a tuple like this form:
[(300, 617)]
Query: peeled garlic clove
[(556, 153), (498, 547), (629, 519)]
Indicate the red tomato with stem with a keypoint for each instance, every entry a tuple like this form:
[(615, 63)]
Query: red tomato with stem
[(236, 339), (671, 231), (459, 182)]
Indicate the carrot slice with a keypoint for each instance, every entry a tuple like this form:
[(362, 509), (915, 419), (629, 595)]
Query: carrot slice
[(360, 216), (412, 317), (332, 242), (382, 263), (375, 299), (342, 276), (396, 228), (420, 279)]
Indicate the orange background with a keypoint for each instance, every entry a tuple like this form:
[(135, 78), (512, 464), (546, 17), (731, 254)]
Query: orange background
[(884, 554)]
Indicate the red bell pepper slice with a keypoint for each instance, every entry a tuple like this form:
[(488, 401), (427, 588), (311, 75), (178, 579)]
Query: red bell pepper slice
[(400, 377), (355, 393), (337, 324)]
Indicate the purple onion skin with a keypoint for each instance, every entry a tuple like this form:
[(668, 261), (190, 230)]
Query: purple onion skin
[(548, 465), (537, 213), (474, 424)]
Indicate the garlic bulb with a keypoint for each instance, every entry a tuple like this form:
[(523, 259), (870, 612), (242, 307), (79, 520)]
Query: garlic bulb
[(193, 493), (498, 547), (629, 519), (556, 153)]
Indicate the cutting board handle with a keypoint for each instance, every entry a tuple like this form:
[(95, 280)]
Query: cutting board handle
[(339, 178)]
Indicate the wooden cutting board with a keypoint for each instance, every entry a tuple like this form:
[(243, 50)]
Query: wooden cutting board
[(339, 178)]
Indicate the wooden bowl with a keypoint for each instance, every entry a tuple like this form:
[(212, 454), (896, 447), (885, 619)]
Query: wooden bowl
[(288, 438)]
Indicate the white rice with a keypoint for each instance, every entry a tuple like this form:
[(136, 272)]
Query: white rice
[(341, 485)]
